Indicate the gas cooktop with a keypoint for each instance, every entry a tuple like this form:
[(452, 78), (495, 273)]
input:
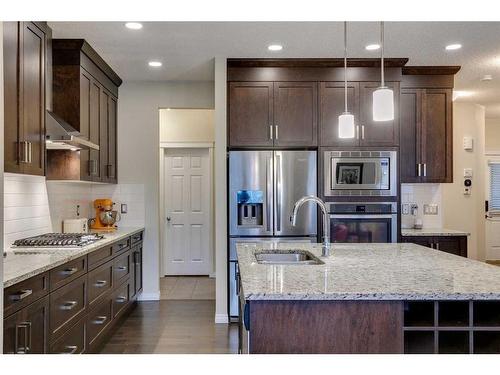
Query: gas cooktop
[(66, 240)]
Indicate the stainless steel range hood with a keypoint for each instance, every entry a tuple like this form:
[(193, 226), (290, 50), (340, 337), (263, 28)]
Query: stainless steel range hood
[(62, 136)]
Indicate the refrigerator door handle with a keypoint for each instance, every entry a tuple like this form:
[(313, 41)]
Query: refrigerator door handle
[(278, 187), (269, 193)]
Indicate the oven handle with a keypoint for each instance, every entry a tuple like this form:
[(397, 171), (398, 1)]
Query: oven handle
[(364, 216)]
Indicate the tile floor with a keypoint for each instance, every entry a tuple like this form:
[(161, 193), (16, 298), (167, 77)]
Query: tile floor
[(187, 288)]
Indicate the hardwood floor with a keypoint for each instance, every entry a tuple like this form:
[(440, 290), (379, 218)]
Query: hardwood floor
[(173, 327), (187, 287)]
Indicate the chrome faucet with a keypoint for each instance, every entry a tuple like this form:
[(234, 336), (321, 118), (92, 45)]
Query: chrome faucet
[(325, 249)]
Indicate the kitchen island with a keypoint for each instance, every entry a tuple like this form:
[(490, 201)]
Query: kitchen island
[(368, 298)]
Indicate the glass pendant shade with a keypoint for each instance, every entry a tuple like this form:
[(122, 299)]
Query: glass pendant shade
[(383, 104), (346, 125)]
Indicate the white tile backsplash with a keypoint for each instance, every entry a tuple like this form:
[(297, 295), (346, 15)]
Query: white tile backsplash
[(34, 206), (422, 194), (26, 207)]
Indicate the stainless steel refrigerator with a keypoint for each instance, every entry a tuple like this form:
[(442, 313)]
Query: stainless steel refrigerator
[(263, 187)]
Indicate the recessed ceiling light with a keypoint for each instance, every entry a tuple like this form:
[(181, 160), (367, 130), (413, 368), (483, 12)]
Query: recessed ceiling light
[(155, 64), (451, 47), (372, 47), (275, 47), (487, 77), (133, 25)]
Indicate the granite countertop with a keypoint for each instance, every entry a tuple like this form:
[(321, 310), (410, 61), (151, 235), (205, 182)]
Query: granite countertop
[(432, 232), (22, 264), (402, 271)]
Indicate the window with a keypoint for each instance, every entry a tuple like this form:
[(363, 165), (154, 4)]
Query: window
[(494, 203)]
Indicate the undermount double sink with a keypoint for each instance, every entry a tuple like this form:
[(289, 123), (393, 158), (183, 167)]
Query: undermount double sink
[(287, 257)]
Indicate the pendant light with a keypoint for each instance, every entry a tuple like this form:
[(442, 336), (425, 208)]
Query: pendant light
[(346, 119), (383, 97)]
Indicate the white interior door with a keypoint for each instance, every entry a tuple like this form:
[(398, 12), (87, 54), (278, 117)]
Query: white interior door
[(493, 218), (187, 212)]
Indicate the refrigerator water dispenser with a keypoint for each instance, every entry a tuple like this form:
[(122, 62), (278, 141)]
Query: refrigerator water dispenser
[(250, 208)]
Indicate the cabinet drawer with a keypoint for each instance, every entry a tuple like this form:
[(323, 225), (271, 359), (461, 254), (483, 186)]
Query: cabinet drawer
[(100, 256), (67, 272), (73, 341), (121, 268), (98, 319), (136, 238), (100, 281), (120, 246), (121, 298), (22, 294), (67, 304)]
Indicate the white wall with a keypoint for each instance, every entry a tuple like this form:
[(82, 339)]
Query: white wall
[(138, 151), (492, 134), (186, 125), (463, 212), (220, 192)]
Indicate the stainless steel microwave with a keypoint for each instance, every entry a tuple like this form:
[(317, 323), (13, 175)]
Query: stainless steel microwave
[(360, 173)]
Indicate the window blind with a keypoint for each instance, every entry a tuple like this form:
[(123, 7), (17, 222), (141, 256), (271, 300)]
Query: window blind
[(494, 203)]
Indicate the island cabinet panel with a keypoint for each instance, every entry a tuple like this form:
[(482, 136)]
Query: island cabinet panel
[(426, 135), (71, 308), (456, 245), (340, 327)]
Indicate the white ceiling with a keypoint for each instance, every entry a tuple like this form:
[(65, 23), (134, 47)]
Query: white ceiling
[(187, 48)]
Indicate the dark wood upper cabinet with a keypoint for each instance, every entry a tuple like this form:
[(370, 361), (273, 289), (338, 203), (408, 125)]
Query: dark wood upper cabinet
[(26, 67), (266, 114), (85, 96), (426, 135), (376, 133), (295, 113), (250, 114), (331, 107)]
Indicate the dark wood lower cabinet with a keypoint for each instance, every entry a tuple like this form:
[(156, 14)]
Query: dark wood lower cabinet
[(456, 245), (78, 313), (27, 331)]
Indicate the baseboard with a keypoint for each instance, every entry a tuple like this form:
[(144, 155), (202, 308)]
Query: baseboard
[(155, 296), (221, 319)]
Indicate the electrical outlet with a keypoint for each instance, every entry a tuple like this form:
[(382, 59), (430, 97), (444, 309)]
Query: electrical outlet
[(405, 209), (123, 208), (430, 209)]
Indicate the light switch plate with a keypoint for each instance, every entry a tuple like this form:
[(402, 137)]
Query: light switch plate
[(467, 172), (430, 209)]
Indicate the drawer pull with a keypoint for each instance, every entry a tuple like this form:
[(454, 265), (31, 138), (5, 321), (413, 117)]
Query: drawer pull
[(100, 320), (71, 349), (69, 271), (122, 268), (26, 347), (122, 245), (100, 283), (70, 305), (136, 238), (121, 299), (21, 295)]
